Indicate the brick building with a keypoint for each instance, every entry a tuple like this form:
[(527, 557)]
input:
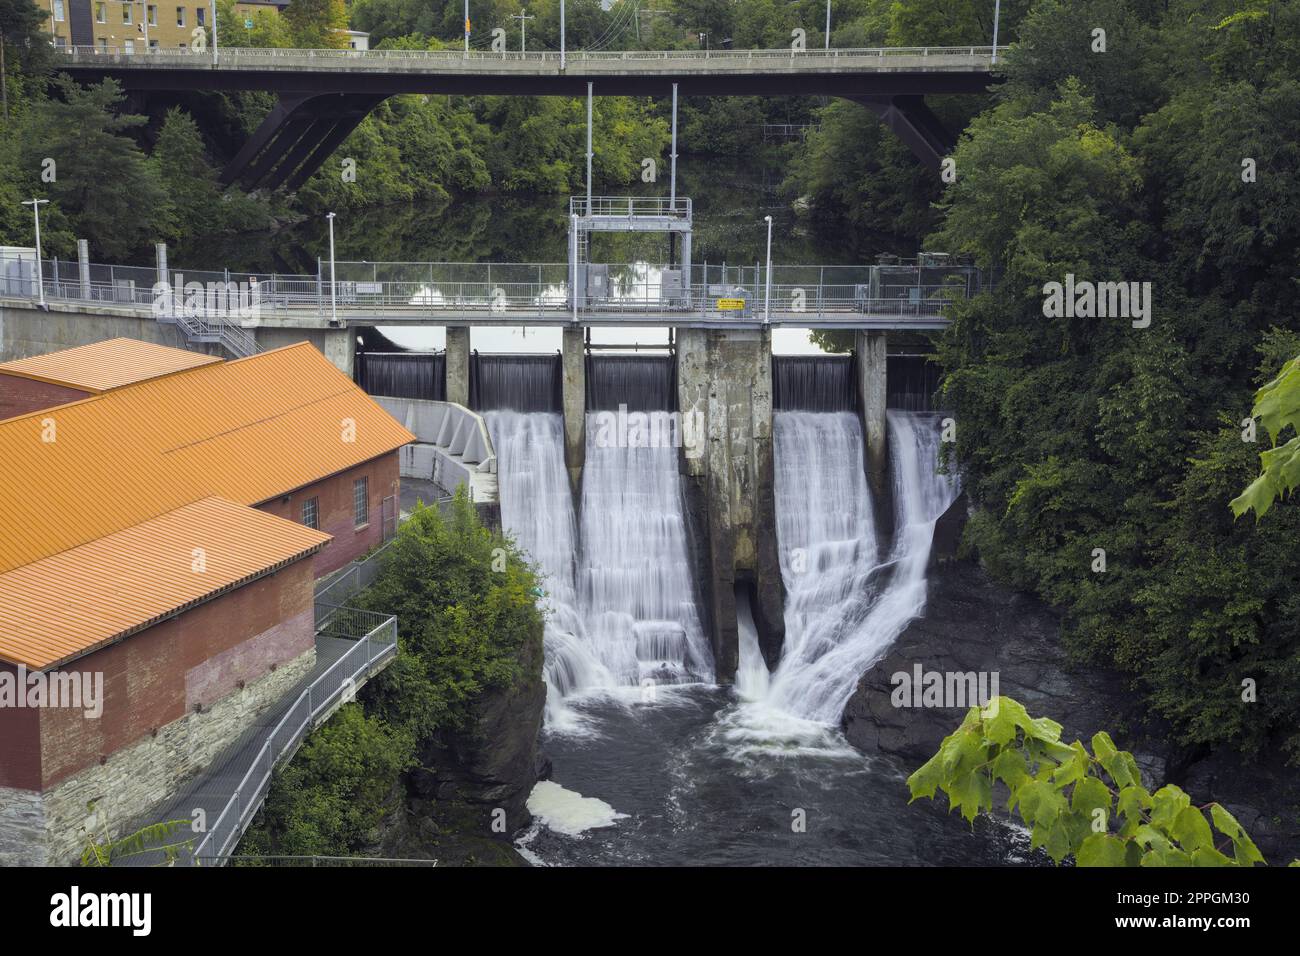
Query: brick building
[(159, 542)]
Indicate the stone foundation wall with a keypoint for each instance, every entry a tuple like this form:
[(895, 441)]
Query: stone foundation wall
[(40, 829)]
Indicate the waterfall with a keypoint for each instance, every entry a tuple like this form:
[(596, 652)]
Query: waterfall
[(844, 607), (620, 600), (635, 585), (752, 677), (644, 383), (537, 510), (520, 383)]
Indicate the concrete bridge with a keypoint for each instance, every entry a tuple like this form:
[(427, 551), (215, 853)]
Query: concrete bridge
[(324, 94)]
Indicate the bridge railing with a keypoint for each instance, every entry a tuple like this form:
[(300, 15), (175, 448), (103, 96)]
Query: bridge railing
[(629, 206), (374, 645), (234, 57)]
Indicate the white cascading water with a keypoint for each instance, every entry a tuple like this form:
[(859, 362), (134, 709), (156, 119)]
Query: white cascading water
[(635, 584), (844, 607), (621, 608), (537, 511)]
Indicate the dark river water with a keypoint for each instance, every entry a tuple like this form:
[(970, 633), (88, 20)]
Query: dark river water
[(689, 792)]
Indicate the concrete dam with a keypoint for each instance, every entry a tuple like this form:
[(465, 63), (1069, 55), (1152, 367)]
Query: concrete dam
[(689, 505)]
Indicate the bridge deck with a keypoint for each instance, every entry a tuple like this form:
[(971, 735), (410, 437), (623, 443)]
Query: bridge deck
[(878, 70)]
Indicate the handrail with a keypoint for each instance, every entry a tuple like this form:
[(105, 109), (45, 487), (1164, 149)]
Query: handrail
[(297, 721), (229, 57)]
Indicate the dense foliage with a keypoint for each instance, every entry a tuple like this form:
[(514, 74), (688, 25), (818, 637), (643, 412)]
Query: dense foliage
[(1089, 805), (466, 606), (1168, 159)]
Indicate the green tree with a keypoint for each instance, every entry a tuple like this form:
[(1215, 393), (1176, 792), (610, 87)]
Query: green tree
[(318, 24), (1090, 805), (103, 180)]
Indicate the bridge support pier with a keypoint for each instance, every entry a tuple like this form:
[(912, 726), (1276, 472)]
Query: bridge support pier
[(724, 391), (457, 364), (574, 387), (872, 352)]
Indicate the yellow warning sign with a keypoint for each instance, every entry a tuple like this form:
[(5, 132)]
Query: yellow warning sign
[(731, 305)]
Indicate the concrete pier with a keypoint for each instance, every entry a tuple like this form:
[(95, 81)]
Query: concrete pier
[(871, 349), (574, 360), (458, 365), (724, 386)]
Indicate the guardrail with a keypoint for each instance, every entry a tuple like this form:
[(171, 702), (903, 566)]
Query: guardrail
[(378, 644), (351, 580), (235, 57), (630, 206)]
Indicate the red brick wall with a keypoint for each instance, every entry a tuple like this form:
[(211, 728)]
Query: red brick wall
[(154, 677), (335, 510), (19, 395)]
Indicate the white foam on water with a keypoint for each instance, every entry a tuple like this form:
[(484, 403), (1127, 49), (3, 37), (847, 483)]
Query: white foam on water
[(570, 813)]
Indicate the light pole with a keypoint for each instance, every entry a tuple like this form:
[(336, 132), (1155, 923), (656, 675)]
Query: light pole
[(467, 29), (997, 10), (334, 306), (36, 205), (561, 34), (523, 19), (767, 295), (828, 24), (214, 30)]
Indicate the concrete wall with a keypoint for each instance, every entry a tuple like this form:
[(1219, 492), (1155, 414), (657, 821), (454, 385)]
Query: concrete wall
[(19, 395), (174, 697), (726, 377), (336, 512), (27, 331)]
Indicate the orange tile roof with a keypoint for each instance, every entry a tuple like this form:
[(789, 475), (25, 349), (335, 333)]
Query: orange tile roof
[(71, 603), (247, 430), (104, 365)]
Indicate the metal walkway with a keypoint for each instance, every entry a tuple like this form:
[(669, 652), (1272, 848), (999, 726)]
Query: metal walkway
[(223, 800)]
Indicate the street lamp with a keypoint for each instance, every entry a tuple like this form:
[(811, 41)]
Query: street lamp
[(828, 24), (334, 306), (561, 34), (767, 295), (36, 205)]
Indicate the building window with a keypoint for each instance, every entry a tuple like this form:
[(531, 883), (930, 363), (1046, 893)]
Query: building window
[(153, 44), (103, 45), (153, 15), (201, 15), (57, 6), (126, 14), (130, 46), (180, 16), (60, 42), (101, 13), (311, 513), (361, 501), (185, 46)]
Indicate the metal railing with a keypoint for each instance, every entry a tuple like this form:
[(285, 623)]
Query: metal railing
[(661, 206), (496, 291), (248, 860), (376, 644), (350, 580), (261, 57)]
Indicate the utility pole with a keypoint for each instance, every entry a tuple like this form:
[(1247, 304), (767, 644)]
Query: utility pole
[(523, 19), (214, 29), (561, 34), (589, 149), (467, 29), (828, 24)]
